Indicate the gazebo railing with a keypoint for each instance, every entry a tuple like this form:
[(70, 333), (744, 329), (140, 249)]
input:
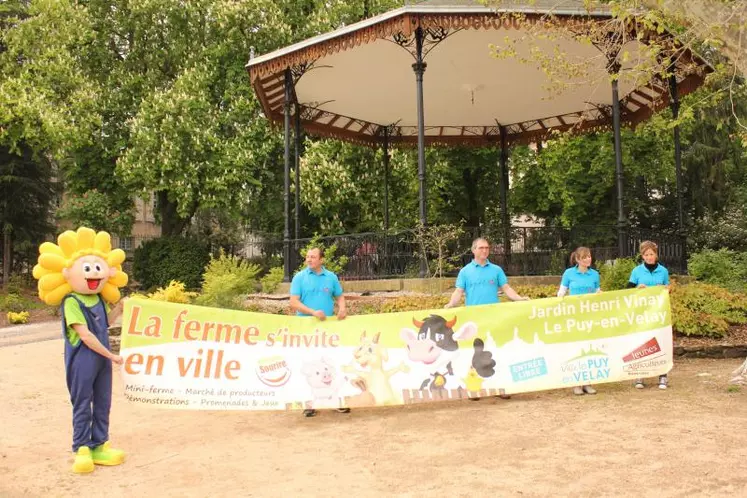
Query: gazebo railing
[(532, 251)]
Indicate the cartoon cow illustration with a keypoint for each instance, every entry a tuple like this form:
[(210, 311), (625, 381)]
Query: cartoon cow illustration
[(435, 345)]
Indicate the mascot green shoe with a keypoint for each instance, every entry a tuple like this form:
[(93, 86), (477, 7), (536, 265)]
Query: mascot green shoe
[(83, 462), (104, 455)]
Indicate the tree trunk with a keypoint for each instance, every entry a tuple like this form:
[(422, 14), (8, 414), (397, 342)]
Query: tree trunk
[(7, 256), (171, 222)]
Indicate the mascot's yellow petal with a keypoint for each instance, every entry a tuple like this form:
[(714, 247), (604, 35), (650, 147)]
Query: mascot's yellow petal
[(119, 279), (86, 236), (102, 242), (50, 282), (40, 271), (116, 258), (68, 242), (110, 293), (48, 247), (52, 262), (55, 297)]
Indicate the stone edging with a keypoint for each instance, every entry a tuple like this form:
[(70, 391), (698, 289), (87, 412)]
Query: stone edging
[(719, 352)]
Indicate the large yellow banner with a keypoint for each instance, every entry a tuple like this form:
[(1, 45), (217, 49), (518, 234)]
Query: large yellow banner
[(192, 357)]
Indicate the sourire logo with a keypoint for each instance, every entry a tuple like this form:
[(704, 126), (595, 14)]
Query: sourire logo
[(273, 371)]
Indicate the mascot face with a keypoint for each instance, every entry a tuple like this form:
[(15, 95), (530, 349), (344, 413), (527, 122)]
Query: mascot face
[(82, 262), (89, 274)]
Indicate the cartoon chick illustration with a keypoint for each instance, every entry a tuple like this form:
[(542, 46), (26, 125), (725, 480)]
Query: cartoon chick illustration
[(473, 381)]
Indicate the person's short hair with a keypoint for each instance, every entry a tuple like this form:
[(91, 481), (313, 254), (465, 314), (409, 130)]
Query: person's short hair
[(579, 253), (646, 245), (320, 249), (477, 241)]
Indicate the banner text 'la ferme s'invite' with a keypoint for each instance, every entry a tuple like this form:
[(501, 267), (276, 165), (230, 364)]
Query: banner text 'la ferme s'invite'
[(192, 357)]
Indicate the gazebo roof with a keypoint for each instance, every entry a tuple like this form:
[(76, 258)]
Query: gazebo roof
[(355, 82)]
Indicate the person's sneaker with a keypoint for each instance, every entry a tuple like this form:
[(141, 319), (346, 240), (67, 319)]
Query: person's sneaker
[(309, 412), (663, 382), (105, 455), (502, 394), (639, 384), (589, 390), (343, 410), (578, 391), (83, 463)]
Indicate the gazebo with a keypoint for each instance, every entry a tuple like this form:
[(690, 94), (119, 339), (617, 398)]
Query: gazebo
[(356, 84)]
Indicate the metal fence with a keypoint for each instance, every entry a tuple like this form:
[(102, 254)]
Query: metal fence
[(528, 250)]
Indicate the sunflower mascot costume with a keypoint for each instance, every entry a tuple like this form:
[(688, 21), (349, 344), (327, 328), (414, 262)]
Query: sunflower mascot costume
[(82, 274)]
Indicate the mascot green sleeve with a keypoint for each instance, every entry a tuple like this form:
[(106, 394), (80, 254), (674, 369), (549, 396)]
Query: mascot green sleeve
[(82, 274)]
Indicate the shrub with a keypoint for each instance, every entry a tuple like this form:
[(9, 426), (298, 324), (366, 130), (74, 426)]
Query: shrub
[(266, 262), (722, 230), (707, 310), (537, 291), (18, 318), (159, 261), (615, 276), (271, 281), (414, 303), (16, 283), (13, 303), (558, 260), (173, 293), (723, 267), (226, 279), (332, 261)]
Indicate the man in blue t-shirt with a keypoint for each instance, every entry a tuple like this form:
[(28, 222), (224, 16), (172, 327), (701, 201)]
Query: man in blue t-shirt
[(314, 289), (313, 292), (480, 281)]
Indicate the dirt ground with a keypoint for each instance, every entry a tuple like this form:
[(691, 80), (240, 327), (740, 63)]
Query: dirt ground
[(690, 440)]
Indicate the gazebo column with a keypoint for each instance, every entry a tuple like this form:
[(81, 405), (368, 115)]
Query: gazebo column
[(505, 219), (286, 177), (385, 148), (419, 68), (622, 221), (675, 104), (297, 207)]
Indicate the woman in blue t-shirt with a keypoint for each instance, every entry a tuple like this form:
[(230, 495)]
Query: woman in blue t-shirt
[(579, 279), (648, 274)]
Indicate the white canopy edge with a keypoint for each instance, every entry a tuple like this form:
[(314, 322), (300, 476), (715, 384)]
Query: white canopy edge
[(424, 9)]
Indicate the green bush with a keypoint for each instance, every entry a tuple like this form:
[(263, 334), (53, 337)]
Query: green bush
[(14, 303), (16, 283), (174, 293), (558, 260), (227, 278), (332, 261), (159, 261), (706, 310), (723, 267), (265, 263), (271, 281), (616, 275), (536, 291)]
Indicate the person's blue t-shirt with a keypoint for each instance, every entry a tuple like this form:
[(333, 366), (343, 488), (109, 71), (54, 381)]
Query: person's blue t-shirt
[(316, 290), (481, 282), (642, 275), (580, 283)]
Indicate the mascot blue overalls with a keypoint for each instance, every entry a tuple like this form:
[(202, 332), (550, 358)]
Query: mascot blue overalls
[(82, 274)]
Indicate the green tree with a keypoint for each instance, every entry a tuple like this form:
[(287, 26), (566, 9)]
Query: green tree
[(47, 102), (27, 193)]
